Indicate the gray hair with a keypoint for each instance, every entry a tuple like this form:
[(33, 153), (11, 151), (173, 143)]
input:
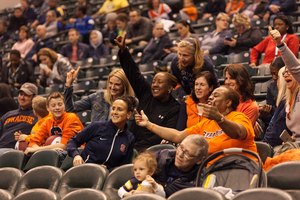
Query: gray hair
[(201, 142)]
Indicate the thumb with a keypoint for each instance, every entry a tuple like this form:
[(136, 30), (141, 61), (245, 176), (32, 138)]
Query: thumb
[(142, 112), (270, 28)]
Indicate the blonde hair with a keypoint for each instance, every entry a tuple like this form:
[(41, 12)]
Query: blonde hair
[(120, 74), (148, 158), (289, 93), (241, 19), (222, 15), (39, 106), (193, 49), (282, 86), (54, 95)]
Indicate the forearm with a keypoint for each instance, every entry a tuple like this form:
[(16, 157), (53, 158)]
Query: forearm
[(233, 130), (169, 134), (53, 146)]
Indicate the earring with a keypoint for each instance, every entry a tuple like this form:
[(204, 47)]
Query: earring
[(227, 110), (169, 91)]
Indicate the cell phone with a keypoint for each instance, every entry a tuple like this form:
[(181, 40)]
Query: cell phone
[(43, 66), (285, 136), (228, 38)]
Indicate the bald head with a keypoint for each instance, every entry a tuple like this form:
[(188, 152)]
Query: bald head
[(41, 31)]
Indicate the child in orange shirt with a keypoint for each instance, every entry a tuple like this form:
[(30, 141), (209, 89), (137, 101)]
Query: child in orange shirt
[(233, 6), (39, 110), (188, 12), (60, 123)]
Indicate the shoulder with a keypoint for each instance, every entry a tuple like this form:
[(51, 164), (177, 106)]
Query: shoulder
[(166, 154), (82, 45), (11, 113)]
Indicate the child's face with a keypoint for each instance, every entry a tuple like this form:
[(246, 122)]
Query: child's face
[(188, 3), (94, 38), (18, 13), (141, 170), (56, 107)]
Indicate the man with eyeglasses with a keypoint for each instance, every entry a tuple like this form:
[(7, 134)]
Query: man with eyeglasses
[(139, 29), (177, 169), (19, 120)]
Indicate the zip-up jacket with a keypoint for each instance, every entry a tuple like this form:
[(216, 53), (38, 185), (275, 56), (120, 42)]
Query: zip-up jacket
[(165, 160), (68, 125), (105, 144)]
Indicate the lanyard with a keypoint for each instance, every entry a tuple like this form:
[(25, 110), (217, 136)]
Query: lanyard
[(276, 50)]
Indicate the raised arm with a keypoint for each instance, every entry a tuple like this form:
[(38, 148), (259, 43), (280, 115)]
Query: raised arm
[(169, 134)]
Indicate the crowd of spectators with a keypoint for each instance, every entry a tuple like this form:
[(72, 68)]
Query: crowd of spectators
[(202, 117)]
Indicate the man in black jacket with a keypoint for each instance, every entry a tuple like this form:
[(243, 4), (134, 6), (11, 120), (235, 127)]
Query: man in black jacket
[(177, 169)]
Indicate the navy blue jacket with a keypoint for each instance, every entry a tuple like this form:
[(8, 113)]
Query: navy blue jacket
[(3, 37), (165, 162), (42, 17), (187, 84), (287, 7), (15, 120), (99, 138), (277, 125), (215, 7), (29, 14), (45, 43), (100, 52), (82, 51)]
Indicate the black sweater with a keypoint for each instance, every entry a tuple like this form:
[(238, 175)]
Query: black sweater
[(161, 113)]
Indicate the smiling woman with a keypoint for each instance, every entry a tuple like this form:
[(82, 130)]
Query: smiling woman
[(155, 99), (190, 60), (99, 102), (115, 143)]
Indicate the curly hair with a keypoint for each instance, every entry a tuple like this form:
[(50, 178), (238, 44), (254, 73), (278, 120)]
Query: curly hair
[(49, 53), (240, 74), (193, 49), (131, 102), (241, 19)]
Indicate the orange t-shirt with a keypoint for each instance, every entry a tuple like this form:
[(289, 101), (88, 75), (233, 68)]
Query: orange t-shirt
[(250, 109), (192, 113), (192, 12), (235, 6), (218, 140), (68, 125)]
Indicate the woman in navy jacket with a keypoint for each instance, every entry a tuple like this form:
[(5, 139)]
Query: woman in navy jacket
[(107, 142)]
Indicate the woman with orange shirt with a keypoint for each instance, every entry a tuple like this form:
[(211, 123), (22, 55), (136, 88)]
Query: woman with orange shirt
[(190, 111), (222, 126), (233, 6), (158, 10)]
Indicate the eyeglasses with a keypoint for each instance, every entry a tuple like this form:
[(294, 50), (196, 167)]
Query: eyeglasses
[(184, 152), (286, 72)]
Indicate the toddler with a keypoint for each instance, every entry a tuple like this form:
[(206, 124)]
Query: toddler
[(144, 166)]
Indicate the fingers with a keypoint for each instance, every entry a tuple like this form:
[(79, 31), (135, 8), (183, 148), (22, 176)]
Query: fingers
[(270, 28), (136, 112), (75, 72)]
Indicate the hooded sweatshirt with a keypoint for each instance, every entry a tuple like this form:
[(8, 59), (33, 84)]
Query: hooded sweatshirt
[(100, 49)]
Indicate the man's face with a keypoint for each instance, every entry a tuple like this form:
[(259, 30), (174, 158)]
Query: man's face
[(73, 37), (134, 17), (186, 156), (18, 13), (52, 4), (41, 31), (25, 101), (158, 30)]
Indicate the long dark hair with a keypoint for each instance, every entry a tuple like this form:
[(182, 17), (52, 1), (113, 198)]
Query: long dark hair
[(242, 78), (186, 23), (210, 79), (5, 91)]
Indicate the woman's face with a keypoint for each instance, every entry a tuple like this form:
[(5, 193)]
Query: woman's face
[(155, 3), (291, 83), (14, 60), (94, 38), (240, 28), (185, 57), (46, 61), (218, 99), (160, 87), (183, 31), (280, 26), (222, 23), (119, 114), (115, 86), (274, 73), (202, 89), (120, 24), (22, 35), (231, 82)]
